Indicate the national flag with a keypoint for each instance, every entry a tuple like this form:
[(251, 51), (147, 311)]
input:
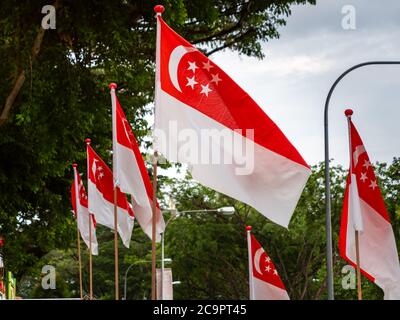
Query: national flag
[(265, 282), (197, 106), (364, 210), (101, 198), (81, 212), (131, 173)]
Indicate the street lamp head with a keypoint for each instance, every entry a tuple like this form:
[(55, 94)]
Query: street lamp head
[(171, 204), (227, 210)]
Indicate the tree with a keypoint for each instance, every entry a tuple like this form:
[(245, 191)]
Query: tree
[(209, 251), (53, 94)]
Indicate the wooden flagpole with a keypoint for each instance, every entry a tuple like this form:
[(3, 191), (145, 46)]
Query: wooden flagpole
[(90, 235), (359, 290), (80, 260), (90, 259), (77, 228), (348, 114), (251, 286), (153, 232), (116, 243), (158, 9)]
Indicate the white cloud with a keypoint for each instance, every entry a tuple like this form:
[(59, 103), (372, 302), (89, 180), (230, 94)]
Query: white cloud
[(291, 84)]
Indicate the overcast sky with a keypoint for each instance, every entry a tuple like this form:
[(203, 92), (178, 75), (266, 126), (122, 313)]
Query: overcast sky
[(292, 82)]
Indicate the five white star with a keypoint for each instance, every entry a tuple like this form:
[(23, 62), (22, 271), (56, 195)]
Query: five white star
[(101, 175), (275, 272), (366, 164), (100, 168), (373, 184), (191, 82), (268, 268), (205, 89), (267, 259), (192, 66), (207, 65), (363, 176), (215, 78)]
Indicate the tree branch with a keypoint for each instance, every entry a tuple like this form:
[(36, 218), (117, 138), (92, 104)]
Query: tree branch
[(243, 14), (20, 79), (230, 43)]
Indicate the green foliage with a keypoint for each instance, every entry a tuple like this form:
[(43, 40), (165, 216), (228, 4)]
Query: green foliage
[(209, 250), (65, 98), (66, 283)]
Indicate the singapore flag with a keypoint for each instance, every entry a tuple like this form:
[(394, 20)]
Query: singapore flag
[(264, 280), (205, 120), (85, 222), (364, 210), (101, 197), (131, 173)]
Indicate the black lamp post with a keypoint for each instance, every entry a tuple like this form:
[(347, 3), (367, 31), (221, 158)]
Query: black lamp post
[(328, 220)]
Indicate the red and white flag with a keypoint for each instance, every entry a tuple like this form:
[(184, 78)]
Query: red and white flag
[(80, 206), (130, 171), (101, 198), (205, 120), (364, 210), (264, 280)]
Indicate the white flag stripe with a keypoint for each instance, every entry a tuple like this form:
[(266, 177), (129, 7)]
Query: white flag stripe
[(266, 291), (380, 261), (354, 204), (273, 187), (131, 181), (103, 211), (82, 219), (130, 177)]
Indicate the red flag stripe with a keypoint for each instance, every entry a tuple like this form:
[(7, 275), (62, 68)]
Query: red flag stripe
[(126, 138), (263, 267), (101, 176), (367, 184), (216, 97)]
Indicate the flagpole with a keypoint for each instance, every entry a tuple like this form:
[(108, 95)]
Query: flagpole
[(348, 113), (90, 259), (77, 229), (359, 290), (248, 229), (87, 141), (158, 9), (116, 244), (153, 231), (80, 261), (112, 87)]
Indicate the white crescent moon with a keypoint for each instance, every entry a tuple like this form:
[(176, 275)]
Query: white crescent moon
[(257, 257), (94, 167), (360, 149), (174, 59)]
